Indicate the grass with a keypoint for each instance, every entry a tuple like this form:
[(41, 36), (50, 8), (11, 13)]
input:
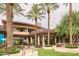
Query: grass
[(51, 52)]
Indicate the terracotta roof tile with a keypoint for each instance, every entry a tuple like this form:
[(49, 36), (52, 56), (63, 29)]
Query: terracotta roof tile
[(39, 31), (23, 23)]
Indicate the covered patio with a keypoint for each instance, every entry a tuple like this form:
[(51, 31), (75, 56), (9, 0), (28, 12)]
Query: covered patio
[(39, 38)]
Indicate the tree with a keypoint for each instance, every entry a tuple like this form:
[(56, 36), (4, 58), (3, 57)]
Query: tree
[(35, 13), (47, 8), (9, 17), (70, 20), (17, 10), (63, 27), (10, 8)]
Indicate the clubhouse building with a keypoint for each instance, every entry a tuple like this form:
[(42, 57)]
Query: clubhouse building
[(31, 34)]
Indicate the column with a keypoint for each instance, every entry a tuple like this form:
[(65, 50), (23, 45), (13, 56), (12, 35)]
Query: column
[(27, 30), (38, 40), (35, 39), (43, 41), (31, 40), (27, 40)]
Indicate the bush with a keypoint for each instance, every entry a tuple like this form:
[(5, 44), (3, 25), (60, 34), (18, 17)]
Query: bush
[(16, 42), (12, 50), (2, 52), (48, 45), (71, 46)]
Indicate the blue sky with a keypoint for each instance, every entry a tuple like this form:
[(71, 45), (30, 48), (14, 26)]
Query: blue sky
[(55, 16)]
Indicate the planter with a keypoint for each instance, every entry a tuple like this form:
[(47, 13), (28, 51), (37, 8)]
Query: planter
[(59, 49)]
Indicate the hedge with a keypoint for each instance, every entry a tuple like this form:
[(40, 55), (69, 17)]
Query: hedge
[(71, 46)]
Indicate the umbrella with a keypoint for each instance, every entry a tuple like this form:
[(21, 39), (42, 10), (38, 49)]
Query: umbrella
[(2, 38)]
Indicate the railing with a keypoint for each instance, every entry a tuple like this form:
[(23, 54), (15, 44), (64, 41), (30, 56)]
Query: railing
[(21, 33)]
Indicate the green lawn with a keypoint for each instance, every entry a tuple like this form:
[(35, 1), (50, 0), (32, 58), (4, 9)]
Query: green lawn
[(51, 52)]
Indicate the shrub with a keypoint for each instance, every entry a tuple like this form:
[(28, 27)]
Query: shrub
[(71, 46), (12, 50), (2, 52), (48, 45), (16, 42)]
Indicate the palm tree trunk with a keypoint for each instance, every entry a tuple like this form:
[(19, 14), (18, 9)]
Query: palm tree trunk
[(35, 33), (70, 20), (48, 26), (36, 21), (9, 18)]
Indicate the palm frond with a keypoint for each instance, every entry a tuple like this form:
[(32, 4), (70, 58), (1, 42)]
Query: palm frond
[(26, 4), (29, 16), (53, 6), (66, 4), (16, 9), (35, 12)]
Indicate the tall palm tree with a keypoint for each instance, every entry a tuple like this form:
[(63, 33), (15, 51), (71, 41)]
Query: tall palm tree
[(70, 21), (48, 7), (9, 17), (35, 13), (10, 9)]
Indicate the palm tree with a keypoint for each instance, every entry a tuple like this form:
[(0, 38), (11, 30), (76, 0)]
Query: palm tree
[(48, 7), (17, 10), (10, 8), (70, 21), (35, 13), (9, 17)]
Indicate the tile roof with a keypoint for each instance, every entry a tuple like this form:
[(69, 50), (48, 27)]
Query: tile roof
[(39, 31), (23, 23)]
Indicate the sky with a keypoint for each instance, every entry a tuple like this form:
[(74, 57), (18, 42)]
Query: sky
[(55, 16)]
